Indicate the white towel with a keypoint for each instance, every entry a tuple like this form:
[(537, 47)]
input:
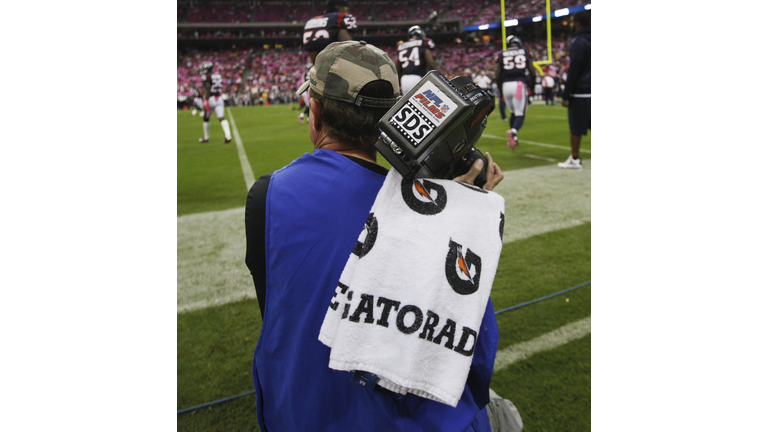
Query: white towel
[(412, 295)]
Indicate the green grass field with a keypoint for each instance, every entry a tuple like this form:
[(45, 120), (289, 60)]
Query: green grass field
[(547, 249)]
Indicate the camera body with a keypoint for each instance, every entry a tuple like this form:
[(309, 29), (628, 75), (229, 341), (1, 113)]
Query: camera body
[(431, 131)]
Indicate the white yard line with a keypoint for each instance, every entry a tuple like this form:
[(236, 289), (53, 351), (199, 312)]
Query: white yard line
[(536, 143), (211, 246), (247, 171), (563, 335), (539, 157)]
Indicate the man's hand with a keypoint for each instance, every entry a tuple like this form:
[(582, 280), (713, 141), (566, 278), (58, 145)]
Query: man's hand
[(493, 173), (565, 103)]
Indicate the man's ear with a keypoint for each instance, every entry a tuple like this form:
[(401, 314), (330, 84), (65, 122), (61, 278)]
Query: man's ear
[(317, 110)]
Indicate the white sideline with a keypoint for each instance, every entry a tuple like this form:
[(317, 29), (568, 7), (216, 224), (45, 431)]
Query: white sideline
[(545, 342), (539, 157), (247, 171), (543, 199), (536, 143), (211, 246)]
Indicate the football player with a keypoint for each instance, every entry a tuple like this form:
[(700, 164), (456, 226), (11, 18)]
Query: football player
[(538, 89), (197, 102), (335, 26), (548, 82), (414, 58), (212, 101), (514, 76), (305, 96)]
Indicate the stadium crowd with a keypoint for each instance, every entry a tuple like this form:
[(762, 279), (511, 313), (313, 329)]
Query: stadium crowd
[(269, 76), (469, 11)]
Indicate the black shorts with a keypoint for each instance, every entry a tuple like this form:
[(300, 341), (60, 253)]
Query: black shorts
[(580, 115)]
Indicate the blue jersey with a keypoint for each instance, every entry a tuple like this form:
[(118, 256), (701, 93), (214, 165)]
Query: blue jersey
[(316, 208), (321, 31), (514, 64), (411, 56)]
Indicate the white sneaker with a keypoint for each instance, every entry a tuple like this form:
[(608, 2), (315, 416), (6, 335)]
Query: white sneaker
[(571, 163)]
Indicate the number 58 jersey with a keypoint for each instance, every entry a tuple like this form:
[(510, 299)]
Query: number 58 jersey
[(322, 30), (514, 63)]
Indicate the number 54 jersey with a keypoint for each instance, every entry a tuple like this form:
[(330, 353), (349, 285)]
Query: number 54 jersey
[(514, 63), (411, 56), (322, 30)]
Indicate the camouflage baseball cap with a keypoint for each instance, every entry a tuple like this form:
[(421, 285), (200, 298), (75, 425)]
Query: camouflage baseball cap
[(343, 68)]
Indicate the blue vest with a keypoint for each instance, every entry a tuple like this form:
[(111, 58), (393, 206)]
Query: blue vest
[(316, 209)]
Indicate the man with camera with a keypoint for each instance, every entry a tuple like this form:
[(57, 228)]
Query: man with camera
[(302, 222)]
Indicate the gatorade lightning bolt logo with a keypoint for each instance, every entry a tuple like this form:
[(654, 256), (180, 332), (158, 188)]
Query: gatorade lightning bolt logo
[(371, 230), (423, 196), (462, 268)]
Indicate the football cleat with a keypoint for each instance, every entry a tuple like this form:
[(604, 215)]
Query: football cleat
[(227, 140), (571, 163), (513, 142), (301, 118), (204, 140)]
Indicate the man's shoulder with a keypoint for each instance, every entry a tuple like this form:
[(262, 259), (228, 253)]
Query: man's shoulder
[(338, 16), (582, 37), (256, 200), (310, 168), (327, 157), (289, 169), (319, 21), (513, 52), (409, 44)]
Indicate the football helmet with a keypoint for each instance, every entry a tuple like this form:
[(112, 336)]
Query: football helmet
[(416, 32), (206, 67), (330, 5), (514, 40)]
